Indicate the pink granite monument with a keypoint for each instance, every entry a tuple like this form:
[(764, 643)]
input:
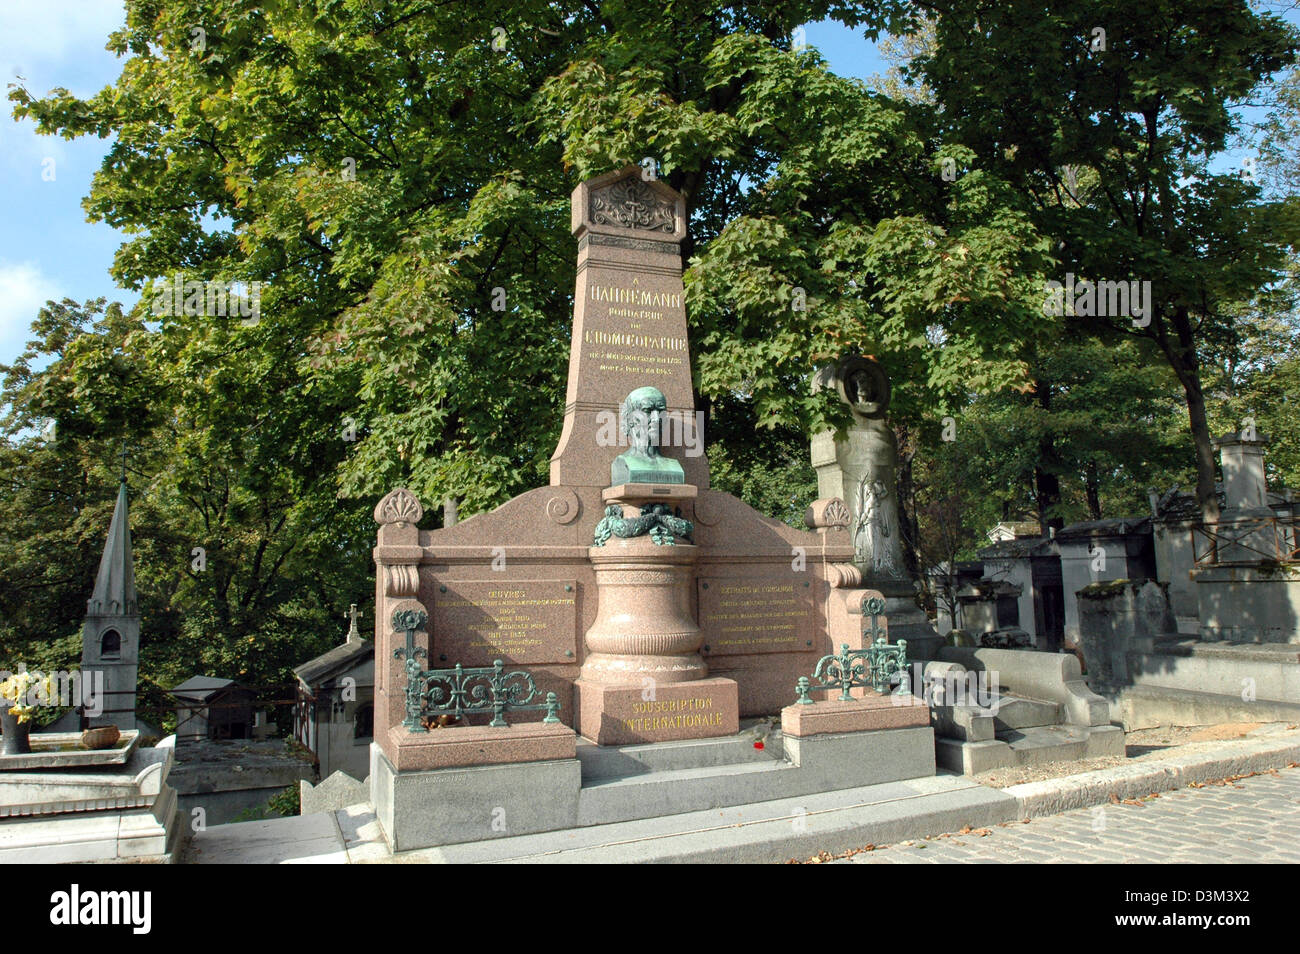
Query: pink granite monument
[(712, 612)]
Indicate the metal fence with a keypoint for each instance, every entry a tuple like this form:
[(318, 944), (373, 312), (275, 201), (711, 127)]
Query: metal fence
[(1259, 539)]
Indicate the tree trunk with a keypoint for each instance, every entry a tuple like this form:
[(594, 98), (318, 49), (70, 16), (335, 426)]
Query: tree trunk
[(905, 488), (1182, 358), (1092, 489), (1047, 485)]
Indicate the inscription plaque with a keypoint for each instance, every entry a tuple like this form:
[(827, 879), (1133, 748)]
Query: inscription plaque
[(525, 622), (756, 615)]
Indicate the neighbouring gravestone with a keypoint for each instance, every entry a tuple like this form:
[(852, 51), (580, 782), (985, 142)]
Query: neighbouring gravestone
[(1247, 574), (520, 583), (861, 470)]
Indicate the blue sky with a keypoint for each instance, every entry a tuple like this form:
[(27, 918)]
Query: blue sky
[(47, 248)]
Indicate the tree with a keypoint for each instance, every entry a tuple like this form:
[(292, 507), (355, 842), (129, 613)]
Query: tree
[(399, 176), (244, 567), (1105, 138)]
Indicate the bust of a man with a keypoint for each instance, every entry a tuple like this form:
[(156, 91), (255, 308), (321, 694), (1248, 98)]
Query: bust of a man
[(643, 417)]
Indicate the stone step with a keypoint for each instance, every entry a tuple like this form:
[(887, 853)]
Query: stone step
[(671, 792), (770, 831), (828, 762), (623, 761), (1056, 743), (1017, 712), (1146, 706), (1004, 712), (1034, 745)]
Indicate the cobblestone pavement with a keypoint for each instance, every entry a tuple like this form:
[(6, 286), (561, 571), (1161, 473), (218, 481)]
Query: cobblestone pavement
[(1252, 821)]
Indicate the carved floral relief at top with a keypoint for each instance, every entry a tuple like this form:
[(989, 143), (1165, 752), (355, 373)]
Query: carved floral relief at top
[(400, 506)]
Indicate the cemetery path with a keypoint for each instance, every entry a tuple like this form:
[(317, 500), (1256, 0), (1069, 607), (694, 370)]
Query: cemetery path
[(1252, 820)]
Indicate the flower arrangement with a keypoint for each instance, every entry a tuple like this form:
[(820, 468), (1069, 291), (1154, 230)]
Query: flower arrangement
[(26, 690)]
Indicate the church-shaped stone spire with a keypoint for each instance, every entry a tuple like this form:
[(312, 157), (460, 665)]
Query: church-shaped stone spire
[(110, 637), (114, 592)]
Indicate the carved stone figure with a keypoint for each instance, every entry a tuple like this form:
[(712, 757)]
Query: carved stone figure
[(861, 469), (875, 539)]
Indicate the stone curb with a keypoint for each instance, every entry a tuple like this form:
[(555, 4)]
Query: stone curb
[(1053, 796)]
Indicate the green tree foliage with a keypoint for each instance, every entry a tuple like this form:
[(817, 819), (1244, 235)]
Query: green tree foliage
[(397, 173), (245, 562), (1105, 136)]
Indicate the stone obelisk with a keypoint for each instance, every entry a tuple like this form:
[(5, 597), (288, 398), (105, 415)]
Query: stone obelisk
[(630, 387)]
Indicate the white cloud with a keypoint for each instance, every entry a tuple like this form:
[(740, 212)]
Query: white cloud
[(24, 289)]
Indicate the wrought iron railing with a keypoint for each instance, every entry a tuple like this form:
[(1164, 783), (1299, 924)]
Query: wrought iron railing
[(1274, 539), (873, 666), (462, 692)]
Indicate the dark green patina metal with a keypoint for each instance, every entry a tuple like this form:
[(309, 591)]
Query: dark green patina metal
[(460, 691), (655, 519), (874, 665), (411, 621)]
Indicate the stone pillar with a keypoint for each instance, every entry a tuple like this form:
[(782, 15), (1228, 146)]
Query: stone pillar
[(1116, 618), (397, 587), (629, 321), (861, 470), (1241, 455)]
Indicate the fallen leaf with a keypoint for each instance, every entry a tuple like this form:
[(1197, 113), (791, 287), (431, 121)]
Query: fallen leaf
[(1114, 799)]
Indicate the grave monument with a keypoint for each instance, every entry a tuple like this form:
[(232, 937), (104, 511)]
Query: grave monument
[(861, 470), (642, 606)]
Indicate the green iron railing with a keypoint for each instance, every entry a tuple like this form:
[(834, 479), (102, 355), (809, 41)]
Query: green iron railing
[(461, 691), (874, 666)]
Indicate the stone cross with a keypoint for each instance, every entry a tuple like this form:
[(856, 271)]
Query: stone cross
[(354, 634)]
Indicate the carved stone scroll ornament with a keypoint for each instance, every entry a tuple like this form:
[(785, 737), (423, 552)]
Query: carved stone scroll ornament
[(564, 506), (399, 506), (632, 204), (401, 579), (844, 576)]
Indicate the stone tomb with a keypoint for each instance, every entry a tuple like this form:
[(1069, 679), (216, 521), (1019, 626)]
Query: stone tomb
[(750, 603)]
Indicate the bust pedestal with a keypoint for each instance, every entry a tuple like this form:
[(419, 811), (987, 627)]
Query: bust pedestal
[(644, 679)]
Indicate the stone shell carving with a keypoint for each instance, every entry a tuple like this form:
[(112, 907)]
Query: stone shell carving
[(632, 204), (828, 512), (400, 506)]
